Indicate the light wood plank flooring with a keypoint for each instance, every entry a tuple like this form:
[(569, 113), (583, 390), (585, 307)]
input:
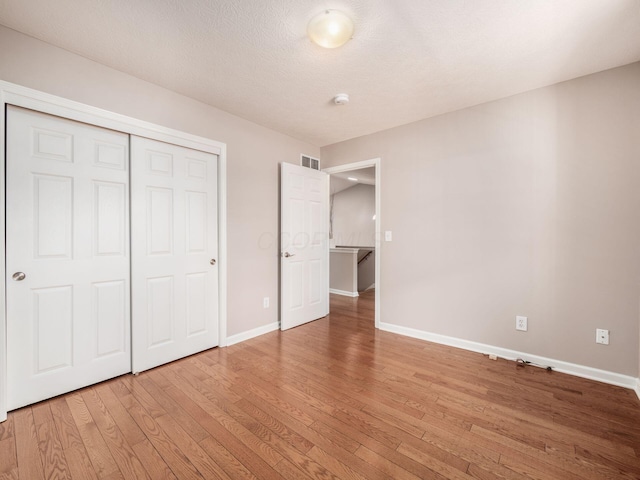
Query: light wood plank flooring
[(331, 399)]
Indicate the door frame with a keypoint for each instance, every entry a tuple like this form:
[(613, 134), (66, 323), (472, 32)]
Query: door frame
[(374, 162), (20, 96)]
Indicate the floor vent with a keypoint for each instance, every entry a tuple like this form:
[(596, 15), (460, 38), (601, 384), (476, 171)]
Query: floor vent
[(310, 162)]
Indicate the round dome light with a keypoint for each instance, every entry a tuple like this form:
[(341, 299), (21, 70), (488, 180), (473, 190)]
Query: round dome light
[(330, 29)]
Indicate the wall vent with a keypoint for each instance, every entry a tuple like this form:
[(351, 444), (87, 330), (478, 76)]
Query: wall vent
[(310, 162)]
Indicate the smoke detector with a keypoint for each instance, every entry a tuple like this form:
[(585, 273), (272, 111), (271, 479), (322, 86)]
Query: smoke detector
[(341, 99)]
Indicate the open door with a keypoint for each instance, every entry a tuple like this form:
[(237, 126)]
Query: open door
[(304, 245)]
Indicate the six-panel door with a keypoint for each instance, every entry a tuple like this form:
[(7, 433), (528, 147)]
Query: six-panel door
[(174, 251), (68, 311), (304, 237)]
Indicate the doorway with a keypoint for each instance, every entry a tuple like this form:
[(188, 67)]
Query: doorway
[(352, 167)]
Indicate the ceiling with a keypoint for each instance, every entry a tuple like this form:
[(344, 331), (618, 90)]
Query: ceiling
[(340, 181), (408, 59)]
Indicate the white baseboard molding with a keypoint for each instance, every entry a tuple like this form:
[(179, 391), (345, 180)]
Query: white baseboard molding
[(343, 292), (604, 376), (256, 332)]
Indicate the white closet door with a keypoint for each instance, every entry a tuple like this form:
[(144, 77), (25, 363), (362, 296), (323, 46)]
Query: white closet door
[(174, 249), (68, 322)]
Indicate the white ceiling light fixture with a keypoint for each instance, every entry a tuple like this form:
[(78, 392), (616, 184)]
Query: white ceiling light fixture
[(330, 29), (353, 179)]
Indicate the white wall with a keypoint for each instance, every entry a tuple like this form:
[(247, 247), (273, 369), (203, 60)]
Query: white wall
[(529, 205), (253, 156), (353, 210)]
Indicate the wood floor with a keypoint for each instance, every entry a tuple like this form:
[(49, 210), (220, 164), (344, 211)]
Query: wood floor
[(331, 399)]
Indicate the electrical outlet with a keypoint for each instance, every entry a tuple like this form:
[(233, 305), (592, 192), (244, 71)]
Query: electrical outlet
[(265, 302), (602, 336), (521, 323), (388, 236)]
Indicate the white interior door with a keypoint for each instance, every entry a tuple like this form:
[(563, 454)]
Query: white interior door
[(304, 253), (174, 243), (68, 322)]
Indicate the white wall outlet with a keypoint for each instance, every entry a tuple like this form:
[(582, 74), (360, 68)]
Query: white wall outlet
[(388, 236), (521, 323), (265, 302), (602, 336)]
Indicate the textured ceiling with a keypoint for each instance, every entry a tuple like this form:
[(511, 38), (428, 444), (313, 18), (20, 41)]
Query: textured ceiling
[(408, 60)]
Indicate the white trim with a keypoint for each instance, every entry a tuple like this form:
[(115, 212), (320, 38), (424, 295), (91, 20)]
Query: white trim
[(62, 107), (374, 162), (557, 365), (256, 332), (43, 102), (222, 246), (347, 167), (3, 269), (637, 389), (343, 293)]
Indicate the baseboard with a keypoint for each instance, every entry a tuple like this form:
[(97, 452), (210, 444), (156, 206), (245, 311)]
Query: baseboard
[(256, 332), (343, 292), (557, 365)]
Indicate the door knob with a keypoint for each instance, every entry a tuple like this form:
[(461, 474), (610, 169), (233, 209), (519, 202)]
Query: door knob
[(18, 276), (287, 254), (212, 261)]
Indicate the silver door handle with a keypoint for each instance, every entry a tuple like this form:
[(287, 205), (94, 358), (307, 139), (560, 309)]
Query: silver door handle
[(212, 261), (19, 276), (287, 254)]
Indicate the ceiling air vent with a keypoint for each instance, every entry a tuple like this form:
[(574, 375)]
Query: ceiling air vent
[(310, 162)]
